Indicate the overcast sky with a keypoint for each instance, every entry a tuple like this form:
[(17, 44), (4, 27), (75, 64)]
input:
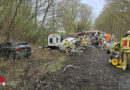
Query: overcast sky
[(96, 4)]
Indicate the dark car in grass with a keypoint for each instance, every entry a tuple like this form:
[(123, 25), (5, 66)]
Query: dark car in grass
[(13, 49)]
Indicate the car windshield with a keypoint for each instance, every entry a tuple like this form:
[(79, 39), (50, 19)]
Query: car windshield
[(22, 44)]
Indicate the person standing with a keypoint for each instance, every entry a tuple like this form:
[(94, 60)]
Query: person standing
[(125, 48), (67, 46), (103, 44), (86, 41)]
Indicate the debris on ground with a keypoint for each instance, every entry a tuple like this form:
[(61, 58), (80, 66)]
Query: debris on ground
[(69, 67)]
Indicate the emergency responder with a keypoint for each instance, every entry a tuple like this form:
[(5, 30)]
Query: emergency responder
[(111, 39), (103, 43), (114, 50), (125, 48), (84, 41), (67, 46)]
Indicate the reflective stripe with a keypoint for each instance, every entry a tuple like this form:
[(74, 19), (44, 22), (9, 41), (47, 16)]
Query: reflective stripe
[(129, 43), (125, 43)]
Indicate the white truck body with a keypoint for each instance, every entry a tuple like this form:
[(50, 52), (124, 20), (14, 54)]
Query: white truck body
[(54, 40)]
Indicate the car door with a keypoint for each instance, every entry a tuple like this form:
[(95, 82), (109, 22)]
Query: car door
[(2, 46), (7, 48), (1, 49)]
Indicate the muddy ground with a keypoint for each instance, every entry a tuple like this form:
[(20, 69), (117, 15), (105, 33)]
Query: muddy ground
[(88, 70), (91, 71)]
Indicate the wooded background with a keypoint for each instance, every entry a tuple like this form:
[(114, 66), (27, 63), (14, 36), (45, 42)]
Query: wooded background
[(115, 18), (33, 20)]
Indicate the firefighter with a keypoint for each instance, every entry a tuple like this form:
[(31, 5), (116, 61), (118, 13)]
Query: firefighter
[(103, 44), (85, 41), (67, 46), (114, 50), (115, 47), (111, 39), (125, 48)]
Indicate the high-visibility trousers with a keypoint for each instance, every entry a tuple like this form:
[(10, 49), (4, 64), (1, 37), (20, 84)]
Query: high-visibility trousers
[(103, 46), (126, 59), (67, 49), (86, 43)]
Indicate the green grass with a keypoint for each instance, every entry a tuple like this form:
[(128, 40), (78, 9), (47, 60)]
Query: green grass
[(54, 67), (57, 65), (62, 59)]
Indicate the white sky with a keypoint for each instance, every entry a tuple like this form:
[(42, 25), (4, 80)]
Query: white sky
[(96, 4)]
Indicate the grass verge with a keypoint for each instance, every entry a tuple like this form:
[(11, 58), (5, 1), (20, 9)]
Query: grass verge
[(54, 66)]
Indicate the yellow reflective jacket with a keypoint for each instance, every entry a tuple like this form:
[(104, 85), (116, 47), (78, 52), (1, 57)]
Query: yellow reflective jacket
[(125, 44), (103, 41), (115, 48), (67, 44), (85, 40)]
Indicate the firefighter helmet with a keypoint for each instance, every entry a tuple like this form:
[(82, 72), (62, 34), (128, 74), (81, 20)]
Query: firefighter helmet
[(128, 32)]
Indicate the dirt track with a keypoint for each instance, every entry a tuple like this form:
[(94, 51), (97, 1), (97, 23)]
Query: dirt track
[(92, 72)]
